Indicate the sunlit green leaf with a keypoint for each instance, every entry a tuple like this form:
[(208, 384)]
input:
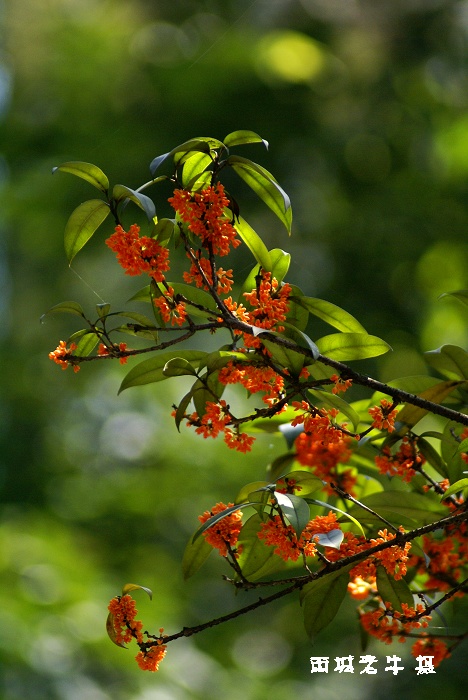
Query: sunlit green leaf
[(460, 294), (458, 486), (181, 152), (129, 587), (351, 346), (295, 509), (151, 370), (265, 186), (308, 482), (254, 243), (164, 230), (400, 508), (410, 415), (322, 599), (249, 488), (121, 192), (86, 344), (82, 224), (87, 171), (238, 138), (392, 591), (194, 168), (331, 314), (280, 261)]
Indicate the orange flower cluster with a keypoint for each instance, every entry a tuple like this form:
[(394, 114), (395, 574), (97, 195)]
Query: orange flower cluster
[(103, 351), (126, 628), (139, 254), (322, 446), (149, 659), (214, 421), (341, 385), (430, 646), (170, 310), (204, 212), (385, 626), (447, 558), (404, 463), (394, 559), (224, 279), (61, 355), (384, 416), (225, 532), (254, 379), (359, 589), (287, 544)]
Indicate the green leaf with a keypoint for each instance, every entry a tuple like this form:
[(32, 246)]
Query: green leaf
[(103, 310), (82, 224), (321, 599), (449, 360), (164, 230), (455, 488), (129, 587), (410, 415), (110, 629), (265, 186), (351, 346), (181, 152), (280, 261), (460, 294), (65, 307), (329, 400), (332, 538), (121, 192), (151, 370), (392, 591), (345, 514), (254, 243), (86, 344), (208, 390), (292, 360), (177, 367), (256, 559), (307, 481), (238, 138), (194, 168), (86, 171), (250, 488), (400, 508), (331, 314), (195, 555), (295, 509)]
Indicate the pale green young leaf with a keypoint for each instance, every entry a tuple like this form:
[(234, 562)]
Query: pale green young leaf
[(151, 370), (86, 171), (82, 224), (351, 346), (331, 314)]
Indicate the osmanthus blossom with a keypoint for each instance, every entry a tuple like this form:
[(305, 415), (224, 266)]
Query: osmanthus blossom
[(225, 532), (384, 416), (139, 254), (61, 355), (125, 627)]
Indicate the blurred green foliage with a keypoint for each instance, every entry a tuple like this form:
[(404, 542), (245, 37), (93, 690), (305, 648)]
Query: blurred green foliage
[(364, 105)]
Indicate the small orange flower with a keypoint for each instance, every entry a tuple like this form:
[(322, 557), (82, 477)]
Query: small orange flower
[(287, 544), (430, 646), (384, 416), (126, 628), (150, 659), (138, 254), (225, 532), (171, 311), (341, 385), (61, 355)]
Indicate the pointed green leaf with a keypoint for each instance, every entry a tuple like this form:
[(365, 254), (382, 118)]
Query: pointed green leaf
[(308, 482), (265, 186), (280, 261), (254, 243), (250, 488), (450, 360), (151, 370), (295, 509), (331, 314), (129, 587), (86, 344), (351, 346), (286, 357), (87, 171), (321, 600), (195, 555), (392, 591), (238, 138), (103, 310), (121, 192), (460, 485), (82, 224), (181, 152), (460, 294), (410, 415), (400, 508), (164, 230), (256, 559), (65, 307), (177, 367), (194, 168)]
